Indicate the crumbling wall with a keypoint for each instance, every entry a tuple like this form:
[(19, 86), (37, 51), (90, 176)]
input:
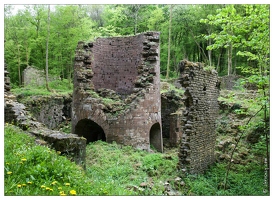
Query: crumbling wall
[(68, 144), (7, 86), (49, 110), (197, 146), (116, 93), (171, 110), (228, 82), (35, 77)]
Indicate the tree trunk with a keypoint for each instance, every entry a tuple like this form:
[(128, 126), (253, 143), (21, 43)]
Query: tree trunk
[(19, 68), (169, 41), (219, 60), (209, 52), (47, 51), (229, 59), (135, 23)]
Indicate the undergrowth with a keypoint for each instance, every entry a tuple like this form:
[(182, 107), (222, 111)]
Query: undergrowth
[(113, 169), (57, 87)]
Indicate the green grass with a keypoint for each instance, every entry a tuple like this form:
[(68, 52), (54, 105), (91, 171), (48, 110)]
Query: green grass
[(37, 170), (57, 87), (113, 169)]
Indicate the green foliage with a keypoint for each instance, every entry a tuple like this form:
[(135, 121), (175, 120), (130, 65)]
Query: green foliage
[(113, 169), (241, 181), (58, 86), (36, 170), (244, 28)]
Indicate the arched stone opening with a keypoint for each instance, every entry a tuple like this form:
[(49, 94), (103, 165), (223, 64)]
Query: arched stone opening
[(155, 137), (90, 130)]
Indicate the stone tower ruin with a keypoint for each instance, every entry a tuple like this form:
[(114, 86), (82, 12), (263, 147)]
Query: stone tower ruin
[(116, 94)]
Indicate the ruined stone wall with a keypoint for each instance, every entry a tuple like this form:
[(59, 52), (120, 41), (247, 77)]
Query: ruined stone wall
[(196, 151), (171, 105), (228, 82), (117, 91), (68, 144), (49, 110), (7, 86), (35, 77)]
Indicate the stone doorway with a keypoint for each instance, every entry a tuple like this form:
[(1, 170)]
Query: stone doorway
[(155, 137), (90, 130)]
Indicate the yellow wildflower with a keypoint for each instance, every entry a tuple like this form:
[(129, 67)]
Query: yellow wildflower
[(42, 186), (9, 173), (19, 185), (29, 182), (23, 184), (63, 194), (47, 188), (23, 159), (59, 188), (72, 192), (54, 182), (67, 184)]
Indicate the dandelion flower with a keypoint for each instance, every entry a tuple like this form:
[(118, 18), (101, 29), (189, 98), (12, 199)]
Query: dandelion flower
[(23, 159), (42, 186), (29, 182), (54, 182), (67, 184), (47, 188), (23, 184), (19, 185), (72, 192), (9, 173)]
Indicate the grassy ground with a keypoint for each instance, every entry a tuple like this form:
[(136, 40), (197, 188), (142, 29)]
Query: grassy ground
[(113, 169)]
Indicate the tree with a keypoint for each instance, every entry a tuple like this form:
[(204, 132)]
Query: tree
[(169, 41), (225, 19), (47, 52), (248, 31)]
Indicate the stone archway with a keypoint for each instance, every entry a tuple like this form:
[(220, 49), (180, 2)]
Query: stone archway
[(155, 137), (90, 130)]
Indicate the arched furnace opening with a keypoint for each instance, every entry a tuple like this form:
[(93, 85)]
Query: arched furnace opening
[(90, 130), (155, 137)]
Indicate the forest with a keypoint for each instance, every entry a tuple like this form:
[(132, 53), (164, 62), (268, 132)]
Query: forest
[(233, 39)]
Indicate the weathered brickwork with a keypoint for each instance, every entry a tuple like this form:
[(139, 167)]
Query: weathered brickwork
[(116, 93), (197, 146)]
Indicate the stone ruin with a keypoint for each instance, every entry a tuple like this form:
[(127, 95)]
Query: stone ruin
[(17, 114), (202, 89), (7, 86), (116, 93), (117, 98)]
